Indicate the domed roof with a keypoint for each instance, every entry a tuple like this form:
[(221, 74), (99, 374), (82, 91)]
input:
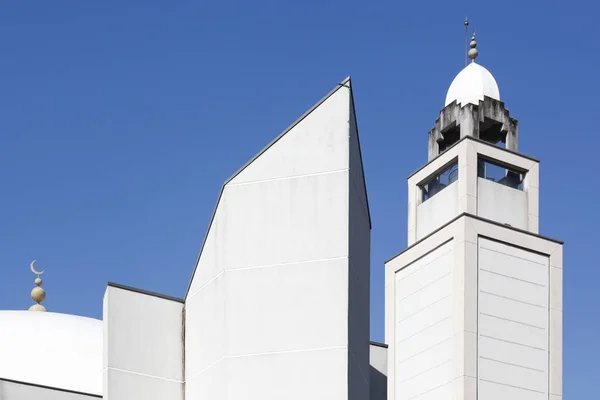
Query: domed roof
[(57, 350), (471, 85)]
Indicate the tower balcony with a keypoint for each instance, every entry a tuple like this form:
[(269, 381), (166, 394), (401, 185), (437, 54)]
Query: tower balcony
[(475, 177)]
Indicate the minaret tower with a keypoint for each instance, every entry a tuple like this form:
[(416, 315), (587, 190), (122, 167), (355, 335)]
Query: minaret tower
[(474, 304)]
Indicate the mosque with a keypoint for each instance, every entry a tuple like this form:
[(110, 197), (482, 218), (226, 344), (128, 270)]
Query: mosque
[(278, 303)]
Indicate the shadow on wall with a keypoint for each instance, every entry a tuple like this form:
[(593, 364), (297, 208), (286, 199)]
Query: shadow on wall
[(378, 388)]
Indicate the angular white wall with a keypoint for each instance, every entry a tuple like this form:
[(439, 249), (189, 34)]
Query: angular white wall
[(278, 306), (143, 345)]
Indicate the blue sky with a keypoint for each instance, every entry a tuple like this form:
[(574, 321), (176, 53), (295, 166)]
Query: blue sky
[(121, 119)]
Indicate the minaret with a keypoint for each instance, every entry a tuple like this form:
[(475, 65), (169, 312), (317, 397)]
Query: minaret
[(38, 294), (474, 304)]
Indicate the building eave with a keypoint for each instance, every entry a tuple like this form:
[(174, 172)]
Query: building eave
[(146, 292), (468, 215)]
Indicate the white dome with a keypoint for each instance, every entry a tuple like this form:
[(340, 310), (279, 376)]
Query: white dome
[(471, 84), (57, 350)]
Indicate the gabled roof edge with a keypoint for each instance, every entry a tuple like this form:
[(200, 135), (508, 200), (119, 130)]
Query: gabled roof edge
[(212, 218), (289, 128)]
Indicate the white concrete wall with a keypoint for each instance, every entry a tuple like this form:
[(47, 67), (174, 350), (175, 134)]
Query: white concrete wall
[(143, 346), (378, 381), (416, 227), (424, 327), (502, 204), (268, 309), (473, 195), (513, 322), (437, 210), (502, 295)]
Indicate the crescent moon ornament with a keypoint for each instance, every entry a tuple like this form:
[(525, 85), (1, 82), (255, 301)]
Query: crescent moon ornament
[(38, 294), (38, 273)]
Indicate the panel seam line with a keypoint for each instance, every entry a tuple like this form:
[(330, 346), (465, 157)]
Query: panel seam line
[(141, 374), (510, 298), (512, 320), (512, 386), (511, 364), (423, 330), (512, 277), (264, 354), (512, 255), (264, 266), (511, 342), (289, 177), (424, 287)]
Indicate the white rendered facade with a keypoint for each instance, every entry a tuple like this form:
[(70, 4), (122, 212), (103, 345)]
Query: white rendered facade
[(279, 304), (473, 194), (277, 307), (473, 306), (470, 314), (143, 345)]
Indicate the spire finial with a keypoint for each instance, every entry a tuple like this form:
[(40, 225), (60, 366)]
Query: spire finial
[(466, 38), (37, 293), (473, 52)]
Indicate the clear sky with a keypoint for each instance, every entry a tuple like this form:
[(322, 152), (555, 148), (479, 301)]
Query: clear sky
[(121, 119)]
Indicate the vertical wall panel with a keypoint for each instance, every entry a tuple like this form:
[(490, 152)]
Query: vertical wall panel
[(438, 210), (287, 271), (513, 322), (143, 346), (424, 326)]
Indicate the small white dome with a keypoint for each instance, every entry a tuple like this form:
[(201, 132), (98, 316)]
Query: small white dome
[(50, 349), (471, 84)]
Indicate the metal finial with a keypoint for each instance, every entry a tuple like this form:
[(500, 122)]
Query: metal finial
[(37, 293), (473, 53), (466, 38)]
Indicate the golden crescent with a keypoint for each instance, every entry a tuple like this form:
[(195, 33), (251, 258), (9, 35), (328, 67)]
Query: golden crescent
[(33, 269)]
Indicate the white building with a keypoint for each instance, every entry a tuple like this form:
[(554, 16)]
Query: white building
[(278, 304), (474, 304)]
